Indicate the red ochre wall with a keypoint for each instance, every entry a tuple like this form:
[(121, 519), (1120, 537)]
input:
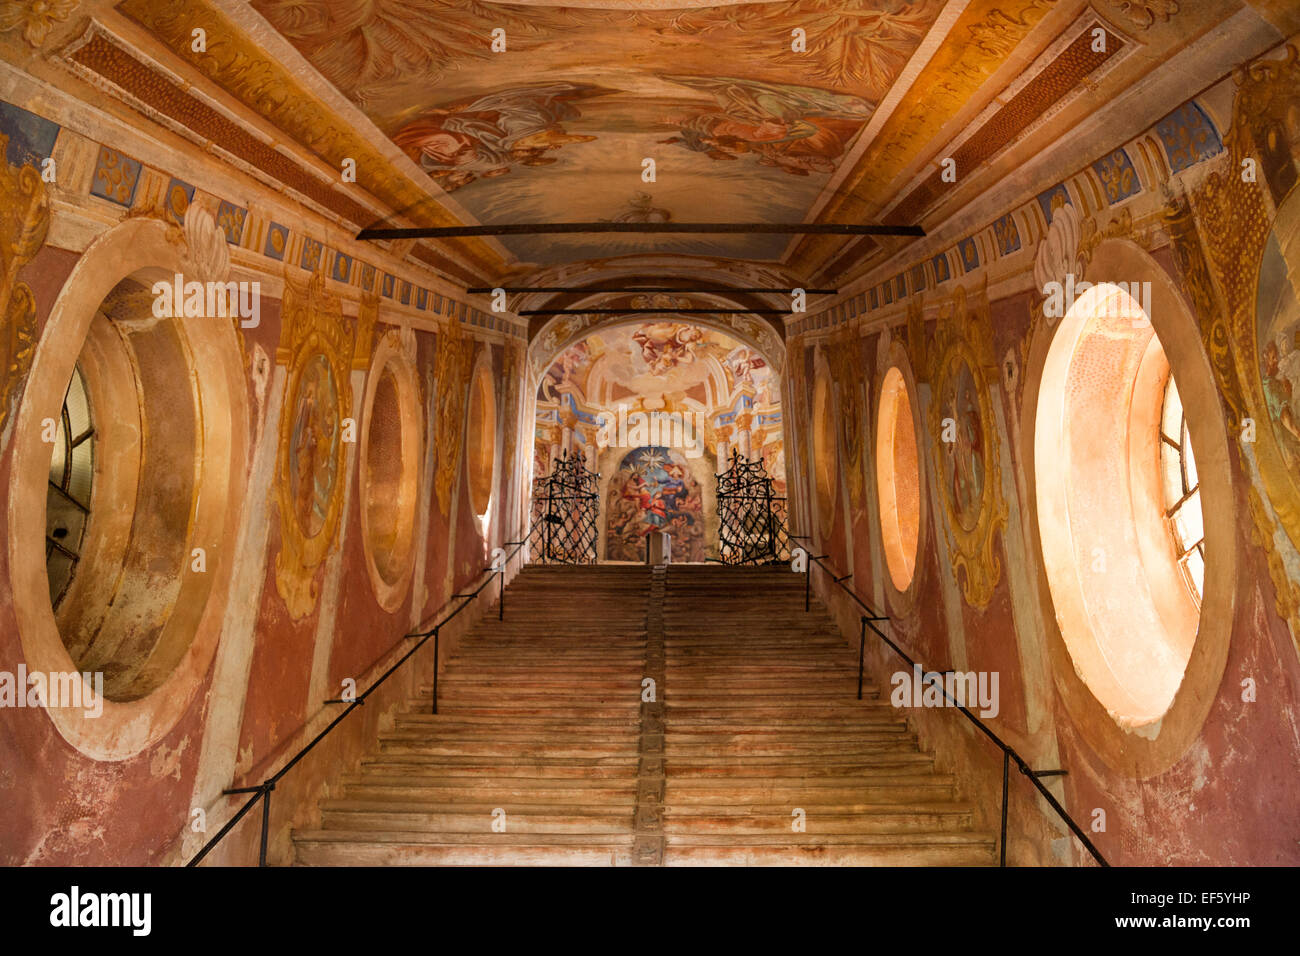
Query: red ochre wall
[(60, 807), (1230, 799)]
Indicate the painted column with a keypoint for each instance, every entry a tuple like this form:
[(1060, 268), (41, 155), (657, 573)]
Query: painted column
[(744, 440), (566, 435)]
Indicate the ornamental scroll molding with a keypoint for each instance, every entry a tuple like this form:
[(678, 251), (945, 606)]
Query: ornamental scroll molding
[(36, 18), (24, 223), (1063, 256), (846, 367), (1232, 236), (964, 439), (452, 361), (320, 348), (1140, 14)]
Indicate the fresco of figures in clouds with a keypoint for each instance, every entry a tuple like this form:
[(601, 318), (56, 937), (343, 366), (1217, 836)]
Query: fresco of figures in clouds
[(664, 358), (699, 88)]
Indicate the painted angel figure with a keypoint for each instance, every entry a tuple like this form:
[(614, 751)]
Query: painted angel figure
[(665, 345)]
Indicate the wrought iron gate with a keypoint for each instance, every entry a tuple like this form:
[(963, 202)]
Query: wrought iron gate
[(565, 512), (752, 523)]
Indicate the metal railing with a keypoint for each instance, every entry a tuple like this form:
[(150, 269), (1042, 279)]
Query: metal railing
[(565, 514), (870, 620), (262, 792), (752, 526)]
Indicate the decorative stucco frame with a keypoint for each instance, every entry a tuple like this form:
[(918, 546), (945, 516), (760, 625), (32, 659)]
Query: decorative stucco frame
[(1149, 749), (128, 727)]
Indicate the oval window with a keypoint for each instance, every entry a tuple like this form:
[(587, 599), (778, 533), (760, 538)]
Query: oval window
[(1119, 506), (898, 478)]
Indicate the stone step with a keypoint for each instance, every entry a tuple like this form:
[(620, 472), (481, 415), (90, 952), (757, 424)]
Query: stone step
[(487, 748), (497, 791), (512, 735), (898, 743), (364, 848), (539, 724), (818, 765), (506, 711), (863, 819), (540, 716), (805, 791), (893, 850), (541, 768), (355, 815), (761, 710)]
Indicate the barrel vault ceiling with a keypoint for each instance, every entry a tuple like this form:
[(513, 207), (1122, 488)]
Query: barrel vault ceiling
[(742, 127)]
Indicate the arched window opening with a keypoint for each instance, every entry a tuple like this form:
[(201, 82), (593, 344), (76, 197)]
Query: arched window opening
[(481, 448), (1119, 505), (129, 457), (898, 478), (392, 449), (133, 486)]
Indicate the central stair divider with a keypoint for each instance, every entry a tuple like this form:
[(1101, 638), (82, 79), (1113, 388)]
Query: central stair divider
[(648, 843)]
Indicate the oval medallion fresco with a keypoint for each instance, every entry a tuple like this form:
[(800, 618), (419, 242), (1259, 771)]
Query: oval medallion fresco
[(313, 459), (964, 468)]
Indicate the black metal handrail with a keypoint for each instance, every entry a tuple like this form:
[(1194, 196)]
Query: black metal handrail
[(263, 790), (1009, 754)]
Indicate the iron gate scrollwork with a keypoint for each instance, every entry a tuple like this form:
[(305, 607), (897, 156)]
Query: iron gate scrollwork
[(565, 512), (752, 522)]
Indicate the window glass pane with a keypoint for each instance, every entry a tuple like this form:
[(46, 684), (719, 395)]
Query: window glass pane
[(1196, 570), (78, 406), (1188, 521), (60, 456), (59, 566), (64, 521), (1171, 474), (1172, 416), (1189, 462), (82, 472), (71, 475)]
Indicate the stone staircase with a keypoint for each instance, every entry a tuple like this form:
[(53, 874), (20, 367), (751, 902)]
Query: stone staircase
[(770, 756), (754, 749)]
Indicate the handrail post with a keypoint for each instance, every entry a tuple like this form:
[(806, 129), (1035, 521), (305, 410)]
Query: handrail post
[(501, 594), (436, 631), (862, 649), (1006, 769), (266, 822), (807, 584), (1008, 752)]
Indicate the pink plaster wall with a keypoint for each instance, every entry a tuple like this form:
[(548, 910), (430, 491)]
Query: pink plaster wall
[(58, 806), (1229, 800)]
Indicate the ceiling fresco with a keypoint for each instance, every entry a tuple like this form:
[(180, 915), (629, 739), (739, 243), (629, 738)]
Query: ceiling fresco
[(554, 129), (659, 358)]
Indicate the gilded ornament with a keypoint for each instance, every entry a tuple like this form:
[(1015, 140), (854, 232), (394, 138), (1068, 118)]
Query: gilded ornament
[(846, 370), (34, 17), (318, 345), (24, 222), (1239, 240), (965, 444), (452, 362)]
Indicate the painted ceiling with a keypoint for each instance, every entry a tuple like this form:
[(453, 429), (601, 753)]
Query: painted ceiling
[(662, 358), (741, 126)]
